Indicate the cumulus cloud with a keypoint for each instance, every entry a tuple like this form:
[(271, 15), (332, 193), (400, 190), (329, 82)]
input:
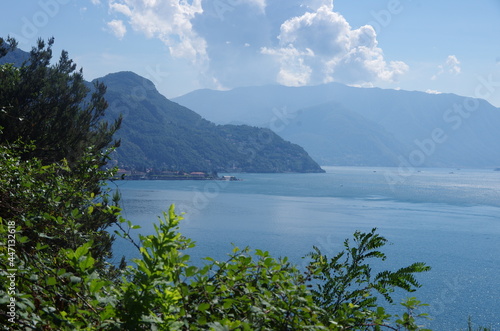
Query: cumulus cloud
[(167, 20), (450, 66), (320, 46), (117, 28), (293, 72)]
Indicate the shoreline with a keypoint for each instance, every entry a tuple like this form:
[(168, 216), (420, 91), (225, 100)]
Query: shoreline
[(174, 177)]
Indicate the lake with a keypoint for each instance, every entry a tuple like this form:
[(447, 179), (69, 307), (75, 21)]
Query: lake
[(448, 218)]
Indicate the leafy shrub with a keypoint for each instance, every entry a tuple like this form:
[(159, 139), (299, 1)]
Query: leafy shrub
[(346, 290), (63, 282)]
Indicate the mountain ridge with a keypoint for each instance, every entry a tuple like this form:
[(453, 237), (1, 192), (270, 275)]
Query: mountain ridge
[(160, 133), (395, 117)]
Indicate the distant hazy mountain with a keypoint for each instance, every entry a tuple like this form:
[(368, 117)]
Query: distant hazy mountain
[(333, 135), (342, 125), (157, 132)]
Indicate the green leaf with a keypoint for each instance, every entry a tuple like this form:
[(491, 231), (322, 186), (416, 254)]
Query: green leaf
[(22, 240), (51, 281), (228, 303), (203, 306), (75, 279), (40, 247), (95, 285), (75, 213), (86, 263)]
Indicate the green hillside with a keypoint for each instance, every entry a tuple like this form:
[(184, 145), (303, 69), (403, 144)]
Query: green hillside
[(158, 133)]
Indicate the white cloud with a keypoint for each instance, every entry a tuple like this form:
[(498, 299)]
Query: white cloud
[(117, 28), (96, 2), (432, 91), (293, 71), (362, 85), (169, 21), (321, 46), (451, 66)]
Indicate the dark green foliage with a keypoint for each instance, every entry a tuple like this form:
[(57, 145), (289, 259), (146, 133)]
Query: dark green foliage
[(149, 295), (345, 281), (72, 288), (53, 213), (54, 142), (52, 147), (253, 290), (7, 46), (249, 291), (64, 283), (54, 205), (48, 105)]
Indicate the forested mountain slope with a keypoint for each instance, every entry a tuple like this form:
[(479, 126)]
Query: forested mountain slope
[(159, 133)]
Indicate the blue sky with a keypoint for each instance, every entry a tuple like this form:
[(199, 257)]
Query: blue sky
[(433, 46)]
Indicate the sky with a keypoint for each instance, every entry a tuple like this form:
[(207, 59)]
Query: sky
[(182, 45)]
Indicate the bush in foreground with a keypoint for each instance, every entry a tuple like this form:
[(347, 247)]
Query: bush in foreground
[(61, 282)]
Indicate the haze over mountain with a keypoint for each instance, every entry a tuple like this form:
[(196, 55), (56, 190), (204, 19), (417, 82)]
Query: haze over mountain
[(343, 125)]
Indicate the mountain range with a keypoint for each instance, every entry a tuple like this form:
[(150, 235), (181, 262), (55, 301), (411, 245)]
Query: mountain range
[(161, 134), (248, 128), (343, 125), (158, 133)]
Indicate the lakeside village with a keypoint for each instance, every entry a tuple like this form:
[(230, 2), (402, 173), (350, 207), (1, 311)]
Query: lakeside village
[(170, 175)]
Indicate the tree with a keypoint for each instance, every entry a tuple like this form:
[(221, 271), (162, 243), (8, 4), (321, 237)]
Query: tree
[(7, 45), (46, 213), (53, 201), (49, 116), (50, 106)]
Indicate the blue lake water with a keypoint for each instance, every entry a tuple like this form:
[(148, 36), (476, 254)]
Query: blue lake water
[(448, 218)]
